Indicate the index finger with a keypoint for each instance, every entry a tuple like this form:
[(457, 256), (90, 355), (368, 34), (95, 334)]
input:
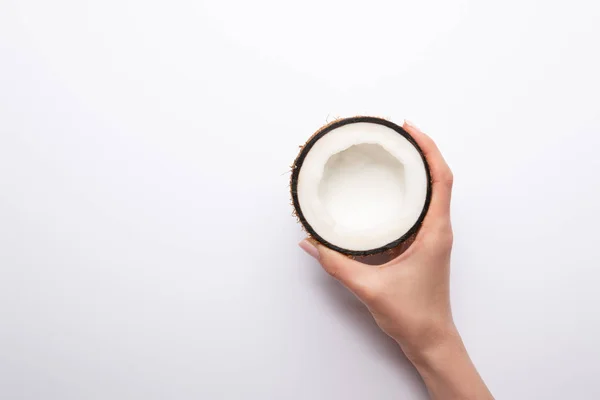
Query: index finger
[(441, 175)]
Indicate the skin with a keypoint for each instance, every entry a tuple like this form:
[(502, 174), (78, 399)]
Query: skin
[(409, 296)]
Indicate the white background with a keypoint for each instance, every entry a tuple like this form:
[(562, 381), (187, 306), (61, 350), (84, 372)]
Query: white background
[(147, 247)]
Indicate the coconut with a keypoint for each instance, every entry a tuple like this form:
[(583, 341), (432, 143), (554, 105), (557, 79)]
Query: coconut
[(361, 186)]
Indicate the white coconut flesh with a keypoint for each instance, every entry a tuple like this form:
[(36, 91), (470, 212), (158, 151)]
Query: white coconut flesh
[(362, 186)]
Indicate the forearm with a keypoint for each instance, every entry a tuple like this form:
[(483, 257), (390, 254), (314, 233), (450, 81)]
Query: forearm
[(448, 371)]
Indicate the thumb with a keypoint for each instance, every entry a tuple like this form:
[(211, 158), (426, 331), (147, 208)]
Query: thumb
[(352, 274)]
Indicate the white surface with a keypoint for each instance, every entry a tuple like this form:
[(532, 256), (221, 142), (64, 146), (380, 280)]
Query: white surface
[(147, 248), (362, 186)]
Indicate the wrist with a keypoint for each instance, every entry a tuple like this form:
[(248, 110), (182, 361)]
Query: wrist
[(448, 371), (433, 345)]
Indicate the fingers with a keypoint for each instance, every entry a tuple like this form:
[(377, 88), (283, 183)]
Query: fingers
[(441, 175), (352, 274)]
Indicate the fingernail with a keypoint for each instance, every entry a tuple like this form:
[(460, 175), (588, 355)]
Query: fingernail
[(309, 248), (410, 124)]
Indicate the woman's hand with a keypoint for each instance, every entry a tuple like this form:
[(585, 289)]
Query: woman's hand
[(409, 296)]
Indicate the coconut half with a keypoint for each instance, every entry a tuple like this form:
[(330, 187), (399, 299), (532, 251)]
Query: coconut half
[(361, 186)]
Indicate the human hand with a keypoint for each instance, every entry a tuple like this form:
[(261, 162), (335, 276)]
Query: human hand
[(408, 296)]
